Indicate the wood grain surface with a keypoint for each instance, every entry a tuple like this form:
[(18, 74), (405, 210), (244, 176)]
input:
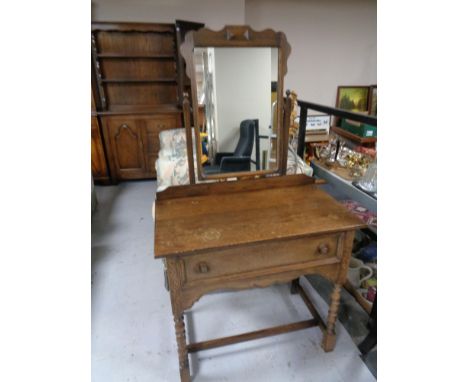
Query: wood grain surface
[(196, 223)]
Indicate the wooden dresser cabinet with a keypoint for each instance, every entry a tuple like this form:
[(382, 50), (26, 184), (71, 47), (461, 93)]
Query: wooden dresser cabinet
[(133, 143), (137, 81), (250, 234), (247, 228), (98, 158), (99, 166)]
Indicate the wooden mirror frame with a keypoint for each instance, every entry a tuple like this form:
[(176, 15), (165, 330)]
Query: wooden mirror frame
[(236, 36)]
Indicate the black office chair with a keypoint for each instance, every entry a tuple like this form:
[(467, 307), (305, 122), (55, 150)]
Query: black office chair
[(239, 160)]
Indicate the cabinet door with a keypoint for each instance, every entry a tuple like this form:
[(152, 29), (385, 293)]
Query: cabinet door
[(98, 158), (126, 146), (151, 127)]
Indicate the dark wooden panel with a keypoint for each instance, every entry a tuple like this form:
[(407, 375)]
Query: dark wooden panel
[(152, 143), (143, 69), (135, 42), (164, 122), (151, 165), (133, 143), (150, 133), (98, 157), (126, 147), (134, 110), (130, 55), (141, 94), (132, 27)]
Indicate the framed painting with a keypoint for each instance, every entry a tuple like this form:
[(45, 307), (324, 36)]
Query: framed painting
[(373, 100), (353, 98)]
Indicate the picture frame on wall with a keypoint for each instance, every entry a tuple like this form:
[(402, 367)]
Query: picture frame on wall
[(373, 100), (353, 98)]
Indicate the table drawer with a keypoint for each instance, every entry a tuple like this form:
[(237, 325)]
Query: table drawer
[(261, 257)]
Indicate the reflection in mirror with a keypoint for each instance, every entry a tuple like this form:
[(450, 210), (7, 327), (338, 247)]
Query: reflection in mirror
[(236, 92)]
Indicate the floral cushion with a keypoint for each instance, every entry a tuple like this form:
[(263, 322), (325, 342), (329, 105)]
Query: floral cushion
[(172, 164)]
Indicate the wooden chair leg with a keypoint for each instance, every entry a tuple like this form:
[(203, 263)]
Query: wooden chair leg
[(182, 348), (329, 337)]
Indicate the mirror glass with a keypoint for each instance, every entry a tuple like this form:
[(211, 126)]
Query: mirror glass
[(236, 94)]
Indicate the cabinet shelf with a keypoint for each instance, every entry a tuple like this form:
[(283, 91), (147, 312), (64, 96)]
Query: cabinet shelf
[(138, 81), (132, 27), (123, 55), (141, 109)]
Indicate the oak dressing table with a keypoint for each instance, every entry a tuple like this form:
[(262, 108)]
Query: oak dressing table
[(252, 232)]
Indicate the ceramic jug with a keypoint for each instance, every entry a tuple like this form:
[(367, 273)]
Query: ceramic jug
[(354, 272)]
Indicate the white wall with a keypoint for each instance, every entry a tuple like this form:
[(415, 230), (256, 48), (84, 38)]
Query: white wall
[(214, 13), (334, 42), (243, 91)]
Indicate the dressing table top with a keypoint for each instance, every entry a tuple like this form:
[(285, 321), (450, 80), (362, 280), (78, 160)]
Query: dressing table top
[(200, 217)]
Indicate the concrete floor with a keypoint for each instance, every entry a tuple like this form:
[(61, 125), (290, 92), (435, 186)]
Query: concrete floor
[(133, 337)]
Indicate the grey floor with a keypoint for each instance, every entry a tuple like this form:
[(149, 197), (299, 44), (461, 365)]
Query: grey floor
[(132, 328)]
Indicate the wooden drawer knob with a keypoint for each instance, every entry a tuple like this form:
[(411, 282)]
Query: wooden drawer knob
[(323, 249), (202, 267)]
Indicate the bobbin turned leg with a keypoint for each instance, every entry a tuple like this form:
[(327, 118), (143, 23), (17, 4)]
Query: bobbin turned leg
[(329, 337), (182, 348), (175, 277)]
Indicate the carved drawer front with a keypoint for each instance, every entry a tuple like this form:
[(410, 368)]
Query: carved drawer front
[(265, 257)]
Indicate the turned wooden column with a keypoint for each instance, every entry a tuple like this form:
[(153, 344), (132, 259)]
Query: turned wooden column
[(182, 348), (329, 337), (345, 247), (174, 273)]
